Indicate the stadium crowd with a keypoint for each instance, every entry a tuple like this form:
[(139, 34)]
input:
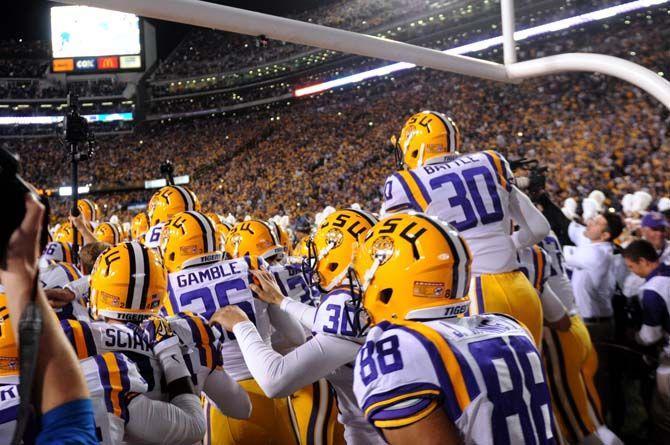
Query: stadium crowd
[(593, 132)]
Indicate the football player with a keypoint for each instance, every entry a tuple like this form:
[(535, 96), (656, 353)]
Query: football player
[(476, 194), (571, 362), (424, 372), (164, 204), (90, 211), (127, 286), (139, 226), (200, 281), (116, 390), (223, 227), (109, 233), (332, 349)]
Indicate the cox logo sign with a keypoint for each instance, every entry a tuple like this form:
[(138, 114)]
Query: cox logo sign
[(85, 64)]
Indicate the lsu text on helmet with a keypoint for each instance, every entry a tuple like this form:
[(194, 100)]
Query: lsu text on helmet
[(332, 247), (427, 137)]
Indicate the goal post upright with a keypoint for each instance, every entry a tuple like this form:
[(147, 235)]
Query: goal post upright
[(226, 18)]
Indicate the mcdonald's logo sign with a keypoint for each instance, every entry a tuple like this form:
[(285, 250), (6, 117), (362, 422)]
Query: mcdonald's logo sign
[(108, 63)]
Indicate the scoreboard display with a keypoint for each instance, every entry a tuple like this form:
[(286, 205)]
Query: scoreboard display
[(88, 40)]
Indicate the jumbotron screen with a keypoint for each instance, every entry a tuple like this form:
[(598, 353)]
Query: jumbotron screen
[(85, 40)]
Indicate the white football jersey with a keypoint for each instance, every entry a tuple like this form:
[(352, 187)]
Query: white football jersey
[(483, 371), (204, 289), (91, 338), (558, 277), (334, 317), (9, 410), (199, 343), (153, 235), (535, 264), (292, 282), (111, 378), (472, 193), (56, 274)]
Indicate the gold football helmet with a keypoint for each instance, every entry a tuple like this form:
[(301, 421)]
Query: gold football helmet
[(128, 282), (255, 238), (109, 233), (58, 251), (89, 210), (189, 238), (332, 247), (65, 234), (282, 234), (169, 201), (427, 137), (139, 226), (9, 350), (412, 267), (223, 227), (301, 249)]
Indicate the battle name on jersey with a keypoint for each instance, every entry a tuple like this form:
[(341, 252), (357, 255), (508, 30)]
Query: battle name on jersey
[(458, 162)]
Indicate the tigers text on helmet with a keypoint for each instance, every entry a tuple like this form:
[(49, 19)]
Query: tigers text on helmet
[(254, 237), (412, 267), (139, 226), (426, 138), (109, 233), (128, 283), (169, 201), (331, 248), (190, 238)]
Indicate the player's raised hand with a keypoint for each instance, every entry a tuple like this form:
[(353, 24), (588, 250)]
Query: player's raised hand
[(228, 317), (265, 287)]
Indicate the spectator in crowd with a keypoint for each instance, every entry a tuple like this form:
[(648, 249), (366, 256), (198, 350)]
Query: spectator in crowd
[(654, 228), (643, 259)]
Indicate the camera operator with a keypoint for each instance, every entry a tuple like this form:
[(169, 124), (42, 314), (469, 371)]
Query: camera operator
[(591, 261), (643, 259), (60, 388)]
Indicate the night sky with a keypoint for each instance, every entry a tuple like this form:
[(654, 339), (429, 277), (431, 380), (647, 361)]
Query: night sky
[(29, 19)]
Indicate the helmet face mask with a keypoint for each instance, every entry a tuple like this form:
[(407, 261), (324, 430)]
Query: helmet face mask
[(356, 314), (333, 245)]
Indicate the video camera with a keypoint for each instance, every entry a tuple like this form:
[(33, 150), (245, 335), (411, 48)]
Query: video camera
[(537, 178), (14, 190)]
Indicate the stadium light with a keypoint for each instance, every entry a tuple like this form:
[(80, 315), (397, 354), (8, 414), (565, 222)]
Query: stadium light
[(36, 120), (481, 45), (67, 191)]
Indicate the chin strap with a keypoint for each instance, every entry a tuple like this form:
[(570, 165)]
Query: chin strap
[(30, 330)]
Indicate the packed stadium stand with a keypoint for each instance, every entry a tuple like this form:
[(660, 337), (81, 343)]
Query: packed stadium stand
[(552, 119)]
